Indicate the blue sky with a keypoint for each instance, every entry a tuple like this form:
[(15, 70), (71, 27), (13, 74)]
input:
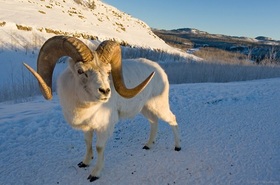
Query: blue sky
[(249, 18)]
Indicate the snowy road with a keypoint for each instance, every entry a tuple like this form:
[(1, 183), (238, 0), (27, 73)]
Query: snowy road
[(230, 135)]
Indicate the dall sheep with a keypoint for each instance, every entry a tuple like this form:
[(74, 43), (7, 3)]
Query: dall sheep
[(92, 102)]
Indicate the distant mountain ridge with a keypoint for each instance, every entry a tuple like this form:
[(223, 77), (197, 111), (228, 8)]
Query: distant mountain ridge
[(263, 38), (189, 31), (196, 31), (186, 38)]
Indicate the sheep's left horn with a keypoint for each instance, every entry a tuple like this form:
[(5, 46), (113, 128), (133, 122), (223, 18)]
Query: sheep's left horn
[(110, 52), (50, 52)]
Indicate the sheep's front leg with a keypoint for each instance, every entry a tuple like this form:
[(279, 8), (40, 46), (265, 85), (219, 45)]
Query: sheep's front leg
[(153, 133), (89, 154), (100, 146)]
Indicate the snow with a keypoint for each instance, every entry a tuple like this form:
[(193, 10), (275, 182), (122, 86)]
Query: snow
[(229, 132), (104, 22)]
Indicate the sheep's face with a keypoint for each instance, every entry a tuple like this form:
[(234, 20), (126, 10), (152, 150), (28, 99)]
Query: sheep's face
[(92, 81)]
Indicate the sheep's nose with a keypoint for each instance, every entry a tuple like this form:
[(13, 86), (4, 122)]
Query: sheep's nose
[(104, 91)]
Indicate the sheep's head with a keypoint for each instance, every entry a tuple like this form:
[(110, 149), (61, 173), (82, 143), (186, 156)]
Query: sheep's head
[(90, 80), (90, 68)]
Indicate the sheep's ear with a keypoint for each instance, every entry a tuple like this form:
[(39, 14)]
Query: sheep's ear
[(72, 65)]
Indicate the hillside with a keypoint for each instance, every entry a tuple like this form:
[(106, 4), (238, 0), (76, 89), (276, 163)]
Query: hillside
[(28, 23), (25, 25)]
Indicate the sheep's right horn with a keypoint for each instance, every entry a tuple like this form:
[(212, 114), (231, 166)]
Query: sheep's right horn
[(51, 51), (110, 52)]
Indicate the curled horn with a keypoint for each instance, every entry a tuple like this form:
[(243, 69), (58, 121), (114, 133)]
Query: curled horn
[(51, 51), (110, 52)]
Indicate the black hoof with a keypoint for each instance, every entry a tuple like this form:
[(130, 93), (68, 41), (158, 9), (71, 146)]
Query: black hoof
[(146, 148), (92, 178), (177, 148), (82, 165)]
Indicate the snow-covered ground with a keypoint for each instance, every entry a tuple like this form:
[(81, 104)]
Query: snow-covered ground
[(230, 135)]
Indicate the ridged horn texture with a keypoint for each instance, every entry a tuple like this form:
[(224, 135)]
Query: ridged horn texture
[(110, 52), (51, 51)]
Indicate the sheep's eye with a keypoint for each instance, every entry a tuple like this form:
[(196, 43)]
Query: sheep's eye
[(80, 71)]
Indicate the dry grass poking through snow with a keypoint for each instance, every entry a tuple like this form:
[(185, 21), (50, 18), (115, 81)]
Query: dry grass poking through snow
[(221, 56)]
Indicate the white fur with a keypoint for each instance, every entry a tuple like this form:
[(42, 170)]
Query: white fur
[(87, 109)]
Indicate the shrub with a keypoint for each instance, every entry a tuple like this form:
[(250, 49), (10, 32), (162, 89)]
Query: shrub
[(2, 23), (24, 28), (89, 3), (200, 72), (151, 54), (221, 56)]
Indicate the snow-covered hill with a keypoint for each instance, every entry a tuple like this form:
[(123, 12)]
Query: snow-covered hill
[(26, 24), (30, 22), (230, 135)]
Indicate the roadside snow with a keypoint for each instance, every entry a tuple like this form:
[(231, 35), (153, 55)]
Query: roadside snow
[(230, 135)]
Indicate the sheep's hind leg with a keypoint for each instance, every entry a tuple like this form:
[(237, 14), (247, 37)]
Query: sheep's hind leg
[(89, 154), (100, 146), (166, 115), (176, 136), (153, 119), (171, 120)]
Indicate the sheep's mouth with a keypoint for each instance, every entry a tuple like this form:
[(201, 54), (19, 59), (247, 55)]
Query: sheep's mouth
[(103, 99)]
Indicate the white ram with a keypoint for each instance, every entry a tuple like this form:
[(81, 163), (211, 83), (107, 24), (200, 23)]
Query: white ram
[(92, 102)]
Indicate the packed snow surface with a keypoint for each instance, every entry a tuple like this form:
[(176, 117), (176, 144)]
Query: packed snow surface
[(230, 135)]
